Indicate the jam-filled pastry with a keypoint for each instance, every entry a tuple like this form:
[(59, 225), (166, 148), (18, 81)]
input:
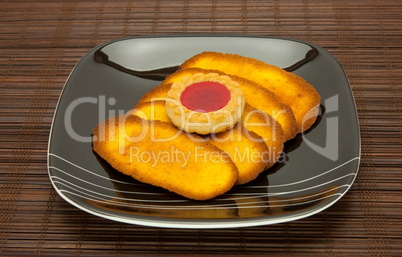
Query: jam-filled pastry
[(205, 103), (254, 94)]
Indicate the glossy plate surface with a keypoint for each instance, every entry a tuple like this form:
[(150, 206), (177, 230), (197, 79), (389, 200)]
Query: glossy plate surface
[(316, 170)]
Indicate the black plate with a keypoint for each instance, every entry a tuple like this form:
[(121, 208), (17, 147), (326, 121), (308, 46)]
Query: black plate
[(317, 169)]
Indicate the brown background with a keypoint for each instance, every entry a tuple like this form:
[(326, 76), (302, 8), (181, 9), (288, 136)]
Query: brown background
[(40, 41)]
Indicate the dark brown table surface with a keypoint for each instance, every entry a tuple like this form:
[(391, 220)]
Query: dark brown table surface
[(40, 42)]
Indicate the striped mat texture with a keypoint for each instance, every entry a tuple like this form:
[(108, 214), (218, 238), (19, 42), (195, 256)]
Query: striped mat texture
[(41, 41)]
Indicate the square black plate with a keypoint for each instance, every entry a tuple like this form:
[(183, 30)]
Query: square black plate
[(317, 169)]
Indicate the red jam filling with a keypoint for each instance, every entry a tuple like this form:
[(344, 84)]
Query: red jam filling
[(205, 96)]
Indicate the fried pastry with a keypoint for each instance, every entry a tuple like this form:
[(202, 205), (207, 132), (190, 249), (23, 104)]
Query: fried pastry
[(289, 88), (154, 153), (268, 129), (155, 94), (153, 110), (246, 152)]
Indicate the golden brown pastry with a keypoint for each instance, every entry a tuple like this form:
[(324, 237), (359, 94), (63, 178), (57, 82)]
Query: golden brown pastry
[(247, 153), (154, 152), (157, 93), (289, 88), (268, 129), (154, 110)]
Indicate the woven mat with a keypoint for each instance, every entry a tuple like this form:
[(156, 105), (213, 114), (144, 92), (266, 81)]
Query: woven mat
[(40, 42)]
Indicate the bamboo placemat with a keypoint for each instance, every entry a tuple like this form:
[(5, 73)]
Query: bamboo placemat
[(40, 42)]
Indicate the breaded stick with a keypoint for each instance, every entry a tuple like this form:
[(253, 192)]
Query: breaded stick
[(154, 110), (268, 129), (157, 93), (246, 152), (289, 88), (154, 152)]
